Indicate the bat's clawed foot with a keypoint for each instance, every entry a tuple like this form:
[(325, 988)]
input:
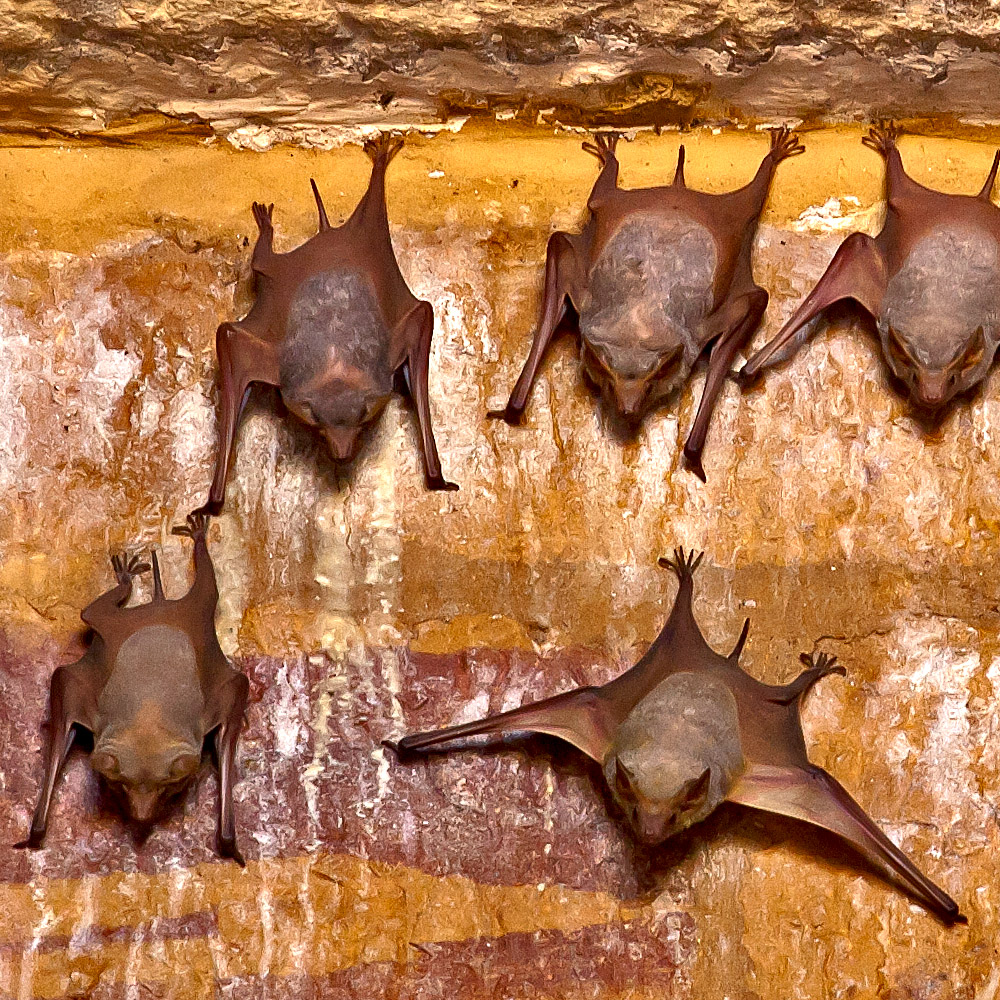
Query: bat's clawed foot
[(196, 526), (785, 143), (603, 146), (882, 137), (128, 567), (262, 215), (384, 148), (682, 563), (821, 664)]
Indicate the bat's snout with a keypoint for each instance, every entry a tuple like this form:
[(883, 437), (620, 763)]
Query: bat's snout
[(143, 804), (933, 389), (343, 442), (630, 398)]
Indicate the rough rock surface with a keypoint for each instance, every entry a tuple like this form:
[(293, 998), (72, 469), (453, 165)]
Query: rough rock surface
[(362, 606), (311, 72)]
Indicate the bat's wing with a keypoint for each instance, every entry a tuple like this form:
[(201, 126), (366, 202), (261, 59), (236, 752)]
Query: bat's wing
[(811, 794), (857, 272), (584, 717)]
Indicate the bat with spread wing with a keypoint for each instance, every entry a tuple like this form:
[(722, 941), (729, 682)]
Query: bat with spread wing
[(151, 688), (658, 277), (332, 324), (687, 728), (930, 279)]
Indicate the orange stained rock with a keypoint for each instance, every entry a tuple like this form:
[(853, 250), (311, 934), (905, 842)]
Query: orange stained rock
[(312, 915)]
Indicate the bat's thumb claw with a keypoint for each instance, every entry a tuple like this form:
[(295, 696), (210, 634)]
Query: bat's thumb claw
[(392, 745), (692, 462), (32, 842), (440, 483), (512, 417), (228, 849)]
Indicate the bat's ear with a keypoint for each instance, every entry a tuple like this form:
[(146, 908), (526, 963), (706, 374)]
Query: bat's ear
[(696, 790), (105, 763), (184, 765), (624, 779)]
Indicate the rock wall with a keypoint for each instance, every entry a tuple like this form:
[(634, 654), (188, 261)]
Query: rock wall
[(362, 606)]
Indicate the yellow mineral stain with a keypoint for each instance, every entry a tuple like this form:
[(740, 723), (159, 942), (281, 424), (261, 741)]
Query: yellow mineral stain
[(368, 912), (71, 196), (470, 632)]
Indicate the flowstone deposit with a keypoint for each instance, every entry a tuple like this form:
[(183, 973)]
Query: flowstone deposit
[(362, 606)]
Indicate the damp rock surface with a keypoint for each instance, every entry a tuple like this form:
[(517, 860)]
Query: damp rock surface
[(363, 606)]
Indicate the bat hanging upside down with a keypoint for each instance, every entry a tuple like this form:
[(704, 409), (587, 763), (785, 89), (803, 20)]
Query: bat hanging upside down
[(151, 687), (686, 729), (658, 277), (332, 324), (930, 279)]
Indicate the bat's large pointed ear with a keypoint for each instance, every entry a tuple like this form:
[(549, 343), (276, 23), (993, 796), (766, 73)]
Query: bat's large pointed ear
[(106, 763), (624, 779), (696, 790)]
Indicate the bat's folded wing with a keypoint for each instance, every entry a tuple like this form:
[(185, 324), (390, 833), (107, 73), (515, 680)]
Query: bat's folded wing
[(582, 717), (857, 272), (813, 795)]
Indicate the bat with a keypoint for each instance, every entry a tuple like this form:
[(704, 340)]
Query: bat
[(687, 728), (657, 277), (930, 280), (332, 325), (151, 688)]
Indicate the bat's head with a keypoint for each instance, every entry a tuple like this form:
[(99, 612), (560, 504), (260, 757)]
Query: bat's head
[(633, 377), (676, 755), (940, 314), (936, 368), (341, 406), (144, 777), (664, 800)]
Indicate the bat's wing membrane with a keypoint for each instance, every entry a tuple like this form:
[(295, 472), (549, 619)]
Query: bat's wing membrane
[(811, 794), (583, 717), (857, 272)]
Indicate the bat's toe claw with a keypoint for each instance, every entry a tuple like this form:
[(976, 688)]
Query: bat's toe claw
[(440, 483), (195, 526)]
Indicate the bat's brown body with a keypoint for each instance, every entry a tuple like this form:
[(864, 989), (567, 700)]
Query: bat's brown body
[(930, 279), (333, 323), (657, 276), (151, 687), (686, 729)]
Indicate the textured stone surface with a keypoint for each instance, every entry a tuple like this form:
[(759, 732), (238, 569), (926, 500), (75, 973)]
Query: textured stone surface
[(362, 605), (311, 72)]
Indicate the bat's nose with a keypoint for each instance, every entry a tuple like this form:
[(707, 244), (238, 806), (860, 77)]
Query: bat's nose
[(932, 390), (630, 396), (142, 804), (342, 442)]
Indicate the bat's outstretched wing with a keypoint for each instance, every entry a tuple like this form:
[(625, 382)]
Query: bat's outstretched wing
[(584, 717), (811, 794)]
